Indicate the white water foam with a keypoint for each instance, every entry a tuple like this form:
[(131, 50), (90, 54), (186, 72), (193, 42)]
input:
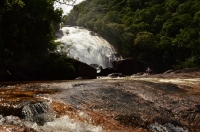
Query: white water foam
[(65, 124), (87, 47)]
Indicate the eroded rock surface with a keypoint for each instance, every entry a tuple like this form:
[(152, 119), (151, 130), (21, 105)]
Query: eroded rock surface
[(123, 104)]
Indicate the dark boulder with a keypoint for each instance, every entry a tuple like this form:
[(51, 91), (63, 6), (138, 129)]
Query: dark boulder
[(94, 66), (129, 66), (83, 70)]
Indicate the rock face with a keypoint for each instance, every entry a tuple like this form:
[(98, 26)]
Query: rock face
[(129, 66), (83, 70)]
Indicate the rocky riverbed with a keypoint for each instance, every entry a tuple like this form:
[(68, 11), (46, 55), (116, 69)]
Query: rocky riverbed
[(158, 103)]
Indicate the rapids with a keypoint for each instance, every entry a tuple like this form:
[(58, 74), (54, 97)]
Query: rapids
[(86, 46), (30, 107)]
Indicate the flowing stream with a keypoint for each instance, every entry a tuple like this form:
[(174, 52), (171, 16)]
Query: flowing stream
[(30, 107), (86, 46), (121, 104)]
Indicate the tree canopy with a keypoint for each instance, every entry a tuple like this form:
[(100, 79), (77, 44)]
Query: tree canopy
[(27, 39), (26, 27), (161, 33)]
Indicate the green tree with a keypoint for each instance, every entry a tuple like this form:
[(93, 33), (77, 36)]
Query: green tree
[(144, 43), (171, 5), (27, 40), (170, 28), (26, 27)]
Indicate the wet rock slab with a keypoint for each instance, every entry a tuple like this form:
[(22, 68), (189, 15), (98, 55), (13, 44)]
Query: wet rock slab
[(137, 105), (121, 104)]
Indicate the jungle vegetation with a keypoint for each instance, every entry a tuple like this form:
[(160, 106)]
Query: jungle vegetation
[(162, 33), (27, 39)]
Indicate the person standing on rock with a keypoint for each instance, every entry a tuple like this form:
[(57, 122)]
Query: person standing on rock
[(148, 71)]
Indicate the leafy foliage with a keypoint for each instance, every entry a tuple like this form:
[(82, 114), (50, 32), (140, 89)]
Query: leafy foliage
[(26, 27), (27, 35), (161, 33)]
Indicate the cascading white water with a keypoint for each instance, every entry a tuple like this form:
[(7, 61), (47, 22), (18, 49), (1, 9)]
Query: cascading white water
[(64, 124), (86, 46), (41, 117)]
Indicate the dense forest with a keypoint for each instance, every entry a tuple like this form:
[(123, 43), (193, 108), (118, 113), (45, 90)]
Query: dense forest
[(27, 41), (26, 27), (162, 33)]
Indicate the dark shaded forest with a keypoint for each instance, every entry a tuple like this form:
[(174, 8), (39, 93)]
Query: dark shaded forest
[(27, 41), (162, 33)]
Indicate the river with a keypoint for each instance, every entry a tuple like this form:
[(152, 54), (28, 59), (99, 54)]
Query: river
[(103, 104)]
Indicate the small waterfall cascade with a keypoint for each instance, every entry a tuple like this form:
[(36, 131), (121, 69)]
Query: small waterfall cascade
[(30, 107), (40, 117), (65, 124), (86, 46)]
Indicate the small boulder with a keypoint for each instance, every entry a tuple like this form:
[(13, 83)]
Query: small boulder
[(83, 70)]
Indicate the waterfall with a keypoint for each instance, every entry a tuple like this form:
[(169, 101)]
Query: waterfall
[(86, 46)]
